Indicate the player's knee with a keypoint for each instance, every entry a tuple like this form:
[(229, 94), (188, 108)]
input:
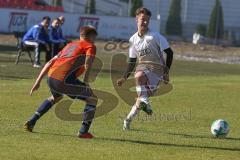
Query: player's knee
[(93, 100), (55, 99), (139, 75)]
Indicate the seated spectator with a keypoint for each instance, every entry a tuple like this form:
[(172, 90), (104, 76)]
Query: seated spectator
[(55, 38), (62, 20), (37, 36)]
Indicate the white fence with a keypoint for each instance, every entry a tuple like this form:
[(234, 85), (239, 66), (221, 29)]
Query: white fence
[(108, 27)]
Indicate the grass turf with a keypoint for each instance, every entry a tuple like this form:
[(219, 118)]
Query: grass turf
[(179, 129)]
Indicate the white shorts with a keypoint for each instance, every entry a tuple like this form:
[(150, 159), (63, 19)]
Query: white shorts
[(153, 81)]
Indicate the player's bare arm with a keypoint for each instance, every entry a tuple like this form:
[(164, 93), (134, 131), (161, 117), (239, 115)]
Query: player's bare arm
[(130, 68), (43, 72), (88, 66)]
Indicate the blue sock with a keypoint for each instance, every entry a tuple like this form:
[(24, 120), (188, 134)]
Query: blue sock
[(88, 116), (45, 106)]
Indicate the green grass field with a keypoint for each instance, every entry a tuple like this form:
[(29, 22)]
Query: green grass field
[(180, 129)]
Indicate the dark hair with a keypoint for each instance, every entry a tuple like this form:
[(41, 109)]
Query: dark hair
[(56, 19), (85, 31), (46, 18), (143, 10)]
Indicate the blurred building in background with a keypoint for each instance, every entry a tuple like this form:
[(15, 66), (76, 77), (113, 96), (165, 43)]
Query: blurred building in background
[(194, 14)]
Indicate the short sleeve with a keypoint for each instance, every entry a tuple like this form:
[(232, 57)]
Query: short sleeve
[(163, 43), (132, 50), (91, 51)]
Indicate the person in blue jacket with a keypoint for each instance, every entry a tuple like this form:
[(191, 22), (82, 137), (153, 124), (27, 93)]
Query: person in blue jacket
[(38, 37), (62, 20), (55, 38)]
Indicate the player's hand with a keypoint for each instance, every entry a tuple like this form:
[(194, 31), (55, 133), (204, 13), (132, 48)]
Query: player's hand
[(62, 45), (34, 88), (47, 47), (120, 81), (166, 78)]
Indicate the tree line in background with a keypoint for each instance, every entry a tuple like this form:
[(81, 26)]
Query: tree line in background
[(174, 22), (216, 24), (57, 2), (91, 6), (214, 30)]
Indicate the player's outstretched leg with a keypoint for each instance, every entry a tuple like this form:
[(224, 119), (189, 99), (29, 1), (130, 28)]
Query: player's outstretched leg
[(142, 102), (143, 92), (141, 81), (134, 111), (88, 116), (43, 108)]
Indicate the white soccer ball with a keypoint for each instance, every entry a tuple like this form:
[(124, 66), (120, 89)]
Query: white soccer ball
[(220, 128)]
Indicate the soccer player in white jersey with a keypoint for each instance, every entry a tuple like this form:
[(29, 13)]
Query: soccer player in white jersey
[(148, 47)]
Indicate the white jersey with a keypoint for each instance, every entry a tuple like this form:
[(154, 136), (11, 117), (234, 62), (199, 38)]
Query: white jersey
[(148, 49)]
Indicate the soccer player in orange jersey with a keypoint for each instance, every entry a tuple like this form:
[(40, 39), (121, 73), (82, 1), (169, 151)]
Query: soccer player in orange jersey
[(63, 71)]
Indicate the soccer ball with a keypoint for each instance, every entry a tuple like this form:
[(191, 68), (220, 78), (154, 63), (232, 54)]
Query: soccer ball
[(220, 128)]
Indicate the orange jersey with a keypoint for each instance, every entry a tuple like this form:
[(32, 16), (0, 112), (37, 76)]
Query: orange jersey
[(71, 60)]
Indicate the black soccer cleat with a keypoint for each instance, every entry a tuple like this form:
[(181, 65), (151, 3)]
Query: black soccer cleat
[(146, 108), (28, 126)]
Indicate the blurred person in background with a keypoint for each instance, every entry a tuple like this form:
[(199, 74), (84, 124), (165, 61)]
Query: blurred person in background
[(62, 20), (38, 37), (55, 38)]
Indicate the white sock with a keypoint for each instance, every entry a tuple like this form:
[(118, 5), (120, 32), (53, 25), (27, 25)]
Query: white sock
[(134, 111), (142, 93), (144, 99)]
